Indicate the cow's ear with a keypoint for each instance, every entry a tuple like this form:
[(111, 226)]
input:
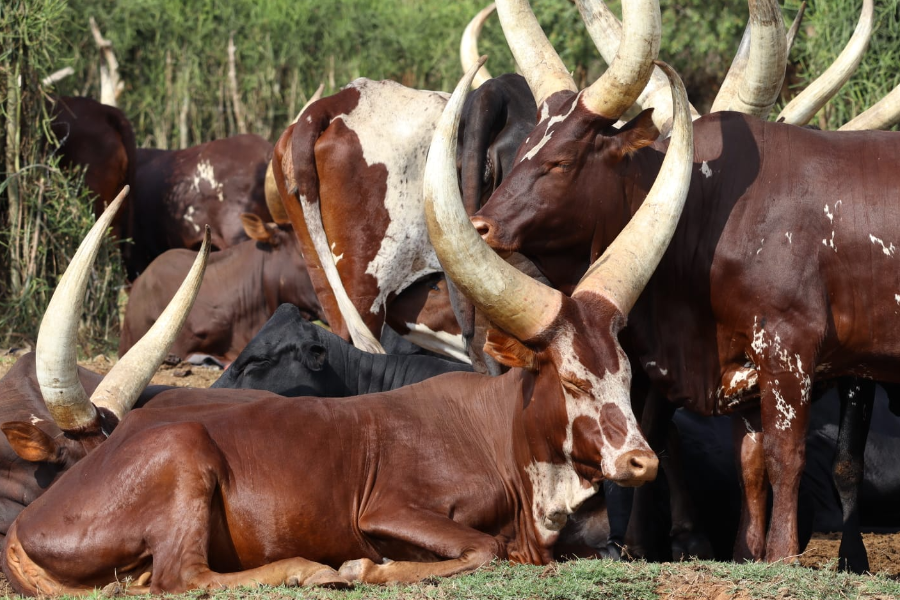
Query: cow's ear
[(637, 133), (313, 356), (509, 351), (31, 443), (255, 228)]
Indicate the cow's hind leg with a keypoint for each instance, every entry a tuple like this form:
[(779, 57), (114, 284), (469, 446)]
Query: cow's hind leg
[(747, 436), (465, 548), (857, 400)]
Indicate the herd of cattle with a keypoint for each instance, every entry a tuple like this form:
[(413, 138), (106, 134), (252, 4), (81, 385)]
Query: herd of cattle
[(596, 274)]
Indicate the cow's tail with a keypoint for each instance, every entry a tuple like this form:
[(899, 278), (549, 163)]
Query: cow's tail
[(295, 158)]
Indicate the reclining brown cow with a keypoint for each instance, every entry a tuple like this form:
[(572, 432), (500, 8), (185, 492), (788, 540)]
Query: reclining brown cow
[(439, 477), (243, 286)]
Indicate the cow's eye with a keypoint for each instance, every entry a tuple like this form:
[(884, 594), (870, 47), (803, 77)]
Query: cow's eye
[(563, 166), (576, 385)]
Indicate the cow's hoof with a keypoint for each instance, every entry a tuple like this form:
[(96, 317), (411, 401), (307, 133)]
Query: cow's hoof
[(327, 578), (355, 570), (691, 546)]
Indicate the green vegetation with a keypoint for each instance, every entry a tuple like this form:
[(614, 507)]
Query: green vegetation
[(602, 579), (44, 212), (173, 58)]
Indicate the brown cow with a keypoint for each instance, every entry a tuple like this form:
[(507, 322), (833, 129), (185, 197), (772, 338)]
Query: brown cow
[(100, 139), (177, 192), (755, 297), (243, 286), (439, 477)]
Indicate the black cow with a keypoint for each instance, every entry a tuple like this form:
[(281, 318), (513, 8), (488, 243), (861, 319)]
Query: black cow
[(292, 357)]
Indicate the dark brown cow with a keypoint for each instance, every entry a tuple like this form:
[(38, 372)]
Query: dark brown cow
[(243, 286), (177, 192), (779, 273), (100, 139), (494, 467)]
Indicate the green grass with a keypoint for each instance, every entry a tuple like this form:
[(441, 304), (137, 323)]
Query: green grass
[(596, 579)]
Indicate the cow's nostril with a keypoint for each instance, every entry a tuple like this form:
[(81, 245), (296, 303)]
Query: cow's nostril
[(482, 226)]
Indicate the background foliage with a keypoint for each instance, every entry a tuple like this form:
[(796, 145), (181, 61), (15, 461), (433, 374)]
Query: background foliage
[(173, 61)]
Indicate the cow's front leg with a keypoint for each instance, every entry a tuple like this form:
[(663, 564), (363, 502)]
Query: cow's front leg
[(465, 548), (747, 435), (784, 404)]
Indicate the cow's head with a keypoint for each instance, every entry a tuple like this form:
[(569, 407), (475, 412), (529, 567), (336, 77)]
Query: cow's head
[(288, 356), (570, 157), (87, 421), (579, 411)]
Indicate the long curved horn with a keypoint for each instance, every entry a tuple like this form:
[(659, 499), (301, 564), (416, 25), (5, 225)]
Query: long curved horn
[(618, 88), (468, 45), (757, 72), (805, 105), (510, 299), (605, 30), (273, 198), (55, 352), (627, 264), (538, 61), (881, 115), (121, 387), (795, 26)]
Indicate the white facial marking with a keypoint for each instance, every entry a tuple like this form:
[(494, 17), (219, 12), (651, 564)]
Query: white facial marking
[(545, 112), (445, 343), (557, 487), (704, 168), (558, 492), (761, 242), (888, 250), (897, 298), (36, 419), (789, 235), (205, 172), (547, 133)]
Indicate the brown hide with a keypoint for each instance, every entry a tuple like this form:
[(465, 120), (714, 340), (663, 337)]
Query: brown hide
[(781, 270), (241, 289), (21, 402), (177, 192), (99, 139), (450, 470)]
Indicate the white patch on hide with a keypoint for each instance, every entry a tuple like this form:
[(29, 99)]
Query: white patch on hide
[(448, 344), (751, 433), (336, 257), (897, 298), (395, 125), (189, 217), (888, 250), (789, 237), (558, 492), (786, 412), (36, 419), (206, 172), (704, 168)]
